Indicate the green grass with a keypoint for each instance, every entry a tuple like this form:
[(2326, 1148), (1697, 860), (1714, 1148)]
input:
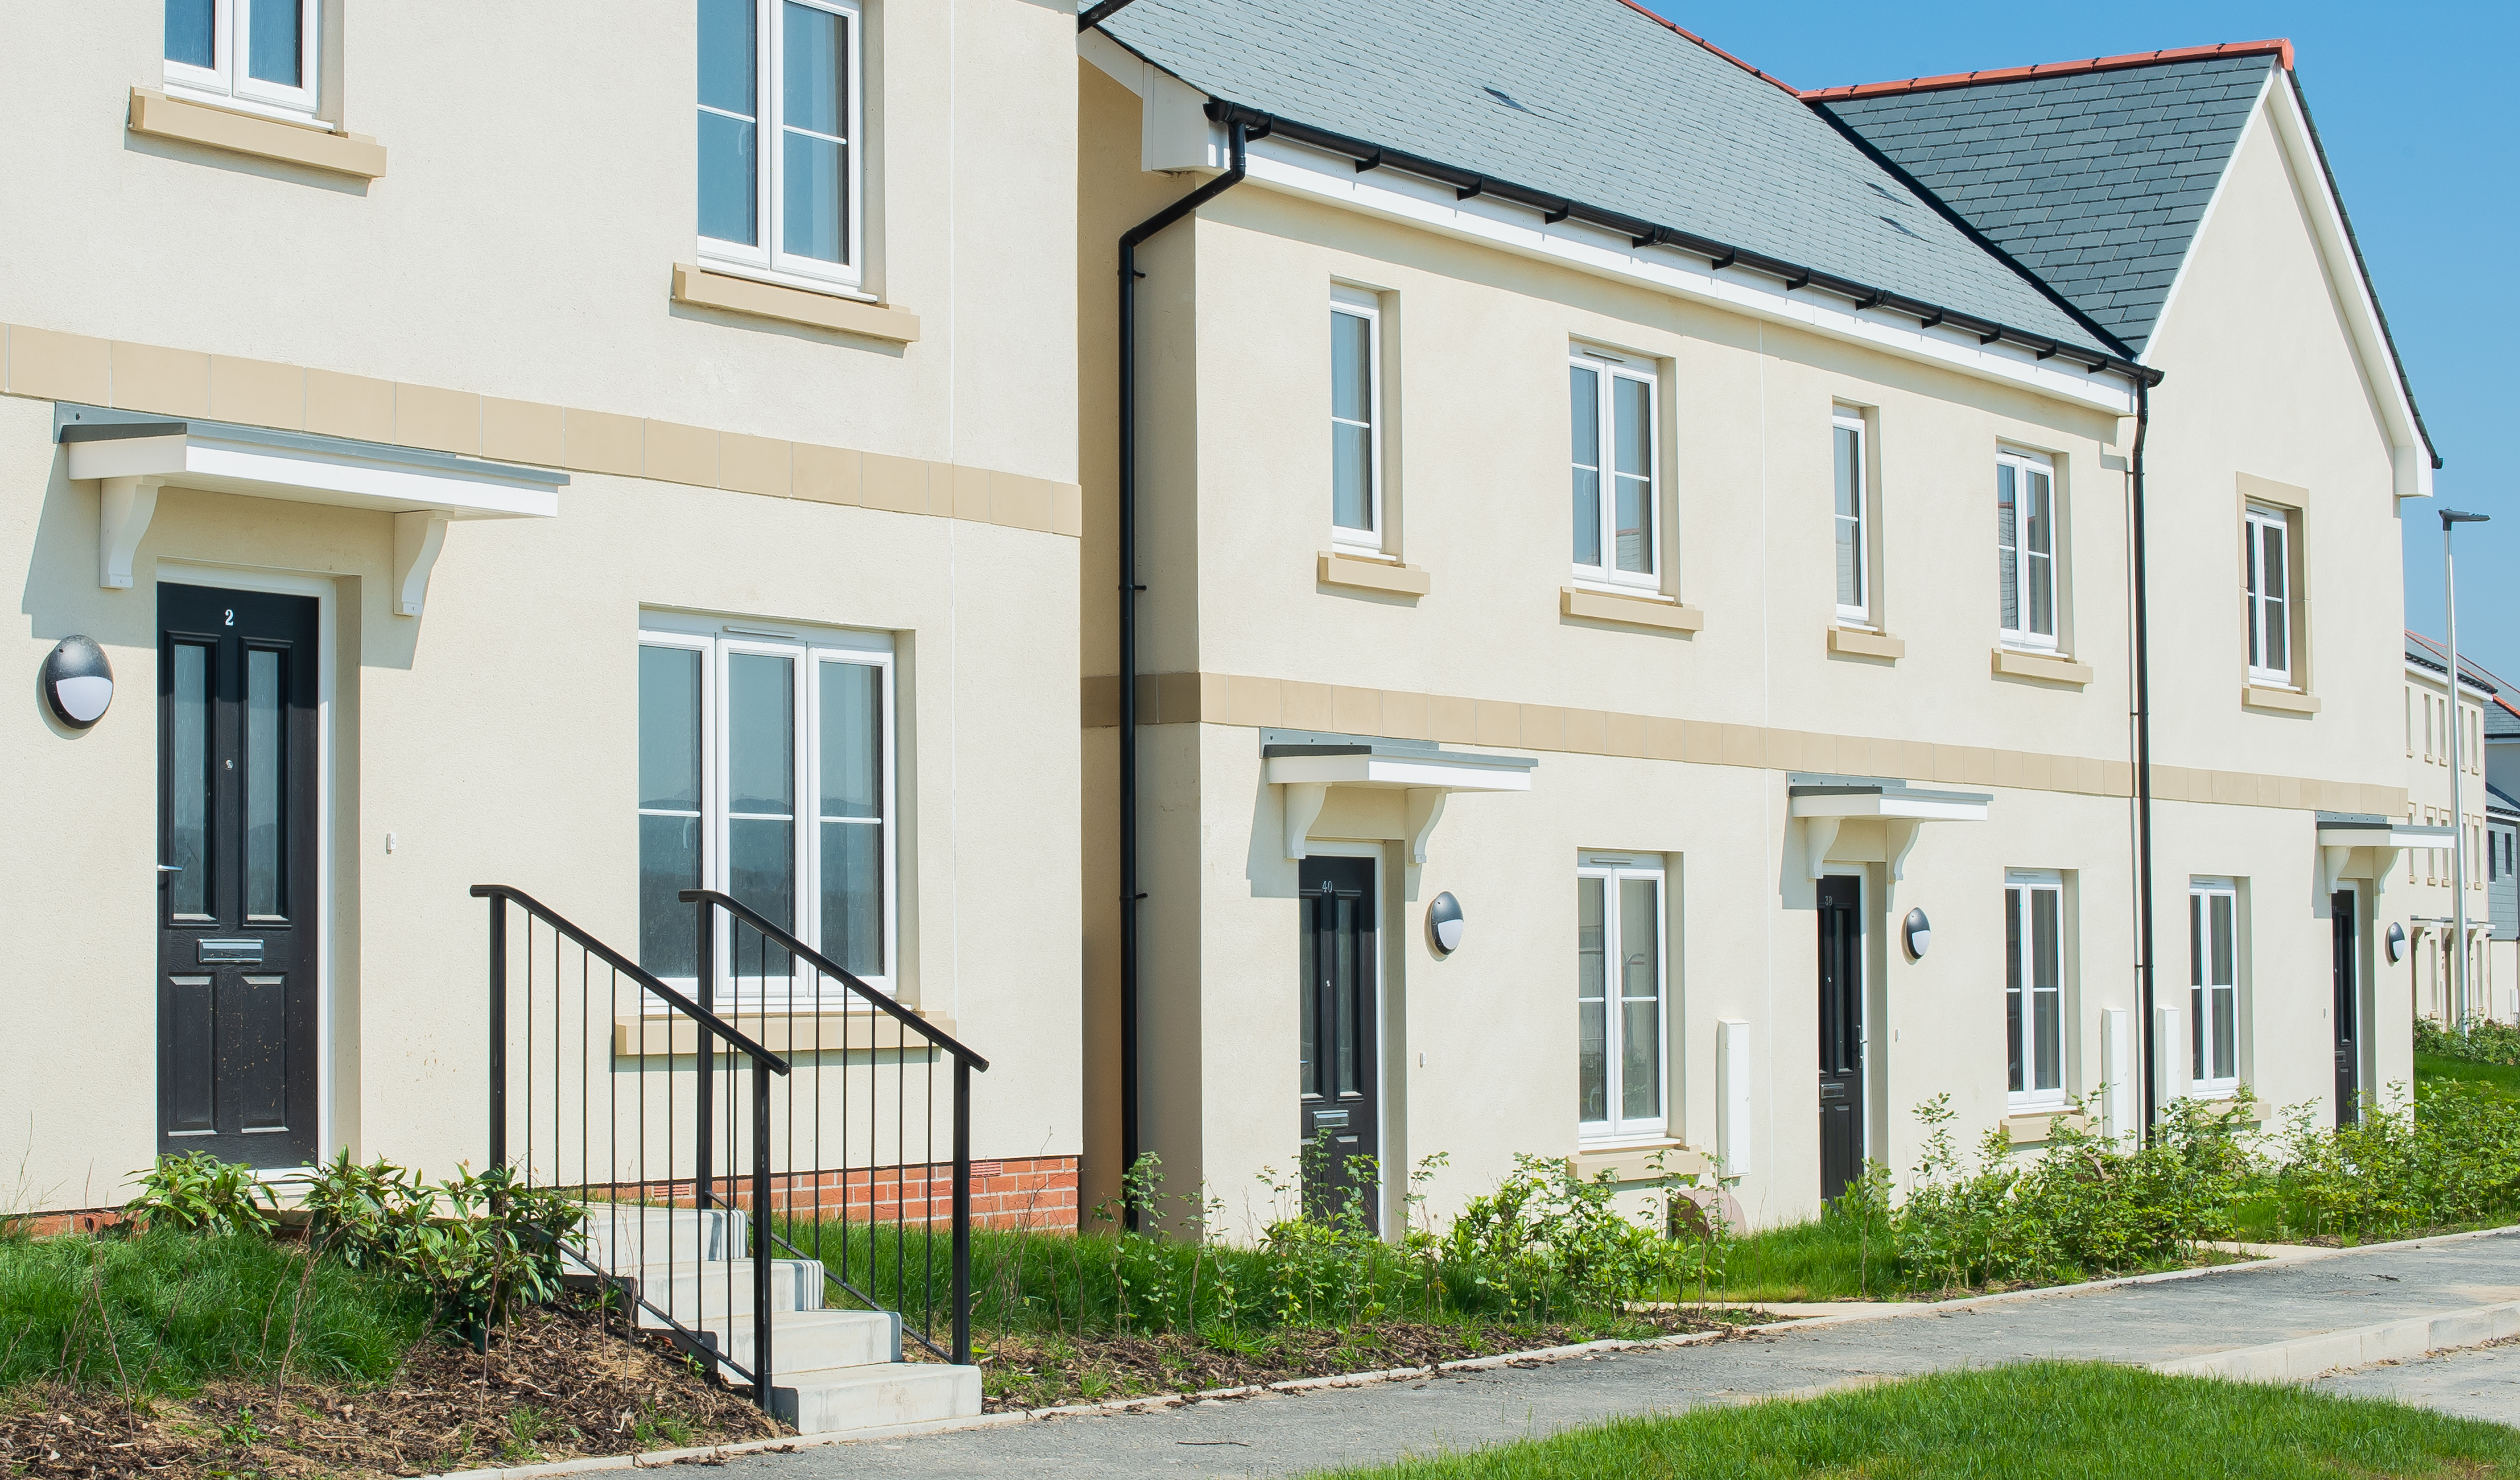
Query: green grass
[(1821, 1260), (2501, 1076), (2087, 1422), (162, 1312)]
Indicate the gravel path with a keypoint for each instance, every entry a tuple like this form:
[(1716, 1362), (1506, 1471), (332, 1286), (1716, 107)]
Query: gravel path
[(1282, 1434)]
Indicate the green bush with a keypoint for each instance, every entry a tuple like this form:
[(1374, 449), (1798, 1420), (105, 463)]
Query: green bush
[(198, 1193), (2485, 1042), (2452, 1158), (478, 1244)]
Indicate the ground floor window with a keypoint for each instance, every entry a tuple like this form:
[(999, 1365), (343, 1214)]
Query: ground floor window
[(2034, 987), (2214, 985), (1619, 997), (766, 769)]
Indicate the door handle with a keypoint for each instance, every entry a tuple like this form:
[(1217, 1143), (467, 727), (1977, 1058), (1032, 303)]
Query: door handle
[(170, 868)]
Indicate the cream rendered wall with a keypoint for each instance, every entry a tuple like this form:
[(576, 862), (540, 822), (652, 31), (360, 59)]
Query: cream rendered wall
[(520, 245), (2263, 379)]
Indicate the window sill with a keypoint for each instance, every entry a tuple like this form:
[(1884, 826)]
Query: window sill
[(1658, 612), (2284, 700), (157, 116), (1858, 642), (1633, 1161), (2045, 667), (660, 1037), (2030, 1127), (1385, 576), (701, 288)]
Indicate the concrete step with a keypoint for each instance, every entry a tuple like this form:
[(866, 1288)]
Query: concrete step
[(828, 1400), (615, 1235), (701, 1294), (812, 1340)]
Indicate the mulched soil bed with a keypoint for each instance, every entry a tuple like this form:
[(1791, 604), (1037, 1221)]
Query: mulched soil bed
[(555, 1385), (1038, 1369)]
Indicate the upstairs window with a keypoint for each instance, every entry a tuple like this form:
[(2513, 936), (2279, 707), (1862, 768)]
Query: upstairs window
[(780, 161), (1611, 411), (1854, 598), (2214, 986), (766, 769), (2268, 554), (2025, 546), (1356, 419), (258, 53)]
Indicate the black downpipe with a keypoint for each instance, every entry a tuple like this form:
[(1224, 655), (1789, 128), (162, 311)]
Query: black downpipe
[(2142, 770), (1130, 894)]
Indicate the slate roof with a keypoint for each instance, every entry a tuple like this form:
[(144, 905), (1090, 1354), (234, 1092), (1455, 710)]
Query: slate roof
[(2426, 652), (1595, 101), (2094, 181)]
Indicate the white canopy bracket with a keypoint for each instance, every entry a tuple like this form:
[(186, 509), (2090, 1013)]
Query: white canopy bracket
[(1426, 810), (124, 507), (419, 535), (1304, 801), (1305, 766)]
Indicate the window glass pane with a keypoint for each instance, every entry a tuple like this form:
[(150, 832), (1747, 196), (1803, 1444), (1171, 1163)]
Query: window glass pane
[(1351, 367), (2012, 990), (2223, 959), (188, 782), (760, 734), (1632, 418), (1352, 476), (1641, 1004), (190, 26), (853, 895), (852, 739), (1850, 516), (1584, 416), (669, 729), (2226, 1027), (2039, 554), (1308, 993), (272, 51), (2277, 617), (262, 785), (1591, 1016), (669, 861), (2008, 548), (2256, 599), (812, 168), (2047, 958), (2196, 965), (761, 871), (1344, 992), (729, 103)]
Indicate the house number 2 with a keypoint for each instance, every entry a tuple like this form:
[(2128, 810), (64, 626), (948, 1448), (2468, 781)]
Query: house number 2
[(231, 616)]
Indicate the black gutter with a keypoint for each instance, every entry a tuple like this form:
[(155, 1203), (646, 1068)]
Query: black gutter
[(1642, 232), (1130, 894), (1090, 19), (2142, 768)]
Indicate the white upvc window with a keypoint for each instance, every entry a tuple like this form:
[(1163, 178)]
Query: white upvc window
[(2034, 988), (781, 163), (1619, 998), (1356, 419), (766, 769), (1610, 411), (1852, 518), (2269, 558), (257, 53), (2025, 544), (2214, 986)]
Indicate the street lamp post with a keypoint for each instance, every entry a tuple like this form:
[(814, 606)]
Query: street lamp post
[(2457, 732)]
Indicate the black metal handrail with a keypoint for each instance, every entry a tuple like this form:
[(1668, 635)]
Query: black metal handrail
[(686, 1326), (932, 1041)]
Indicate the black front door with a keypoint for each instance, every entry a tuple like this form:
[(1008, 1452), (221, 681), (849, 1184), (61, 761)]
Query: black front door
[(2349, 1037), (1841, 1033), (237, 874), (1339, 1121)]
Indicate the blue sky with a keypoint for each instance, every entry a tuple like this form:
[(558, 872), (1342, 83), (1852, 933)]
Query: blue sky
[(2410, 113)]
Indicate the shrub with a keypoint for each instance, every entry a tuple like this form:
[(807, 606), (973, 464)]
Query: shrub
[(478, 1244), (198, 1193), (2453, 1157), (2485, 1042)]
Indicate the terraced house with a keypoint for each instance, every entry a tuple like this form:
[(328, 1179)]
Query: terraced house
[(1633, 612), (666, 484)]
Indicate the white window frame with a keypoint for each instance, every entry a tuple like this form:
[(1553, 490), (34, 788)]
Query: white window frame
[(2026, 465), (1612, 870), (768, 261), (1365, 305), (2257, 521), (809, 647), (2202, 1039), (1612, 368), (231, 83), (1850, 419), (2030, 883)]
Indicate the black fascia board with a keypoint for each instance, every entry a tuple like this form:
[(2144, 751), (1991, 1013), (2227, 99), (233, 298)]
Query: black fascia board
[(1718, 254)]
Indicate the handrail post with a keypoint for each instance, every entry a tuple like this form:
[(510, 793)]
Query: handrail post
[(961, 1211), (498, 1031), (761, 1261), (706, 1119)]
